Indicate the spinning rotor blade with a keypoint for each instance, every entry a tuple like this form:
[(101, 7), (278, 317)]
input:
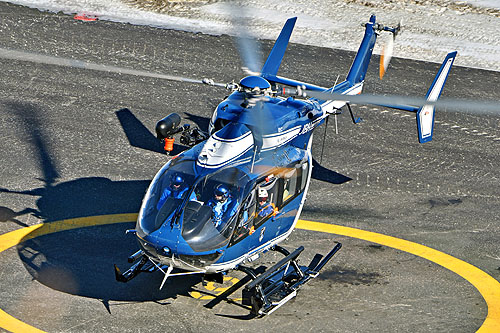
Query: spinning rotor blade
[(248, 48), (66, 62), (386, 56), (387, 50), (480, 107)]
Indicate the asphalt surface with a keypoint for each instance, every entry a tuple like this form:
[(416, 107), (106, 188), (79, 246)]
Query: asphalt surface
[(66, 154)]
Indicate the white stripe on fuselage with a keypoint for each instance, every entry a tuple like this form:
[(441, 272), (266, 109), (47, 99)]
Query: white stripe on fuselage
[(330, 106), (218, 152), (272, 141)]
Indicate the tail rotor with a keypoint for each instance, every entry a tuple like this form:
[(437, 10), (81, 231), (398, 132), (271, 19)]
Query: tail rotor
[(388, 49)]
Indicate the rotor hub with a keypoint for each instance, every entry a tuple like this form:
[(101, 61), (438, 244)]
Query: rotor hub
[(254, 84)]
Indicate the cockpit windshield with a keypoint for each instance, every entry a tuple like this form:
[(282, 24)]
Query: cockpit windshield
[(209, 219), (166, 192), (206, 206)]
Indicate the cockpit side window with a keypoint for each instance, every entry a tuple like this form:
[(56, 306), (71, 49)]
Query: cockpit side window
[(258, 206), (267, 193)]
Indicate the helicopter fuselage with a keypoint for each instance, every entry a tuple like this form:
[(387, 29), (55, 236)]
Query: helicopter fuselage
[(184, 232)]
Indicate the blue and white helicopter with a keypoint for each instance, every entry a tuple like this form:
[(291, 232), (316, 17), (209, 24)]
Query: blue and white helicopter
[(239, 191)]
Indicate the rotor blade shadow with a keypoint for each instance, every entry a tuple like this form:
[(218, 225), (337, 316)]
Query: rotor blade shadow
[(321, 173), (9, 215), (29, 115)]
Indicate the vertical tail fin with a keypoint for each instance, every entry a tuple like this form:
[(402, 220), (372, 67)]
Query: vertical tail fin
[(362, 60), (425, 115)]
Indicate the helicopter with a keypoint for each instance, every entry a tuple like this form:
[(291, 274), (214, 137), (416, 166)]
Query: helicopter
[(239, 190)]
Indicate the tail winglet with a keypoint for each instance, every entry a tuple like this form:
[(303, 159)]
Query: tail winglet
[(273, 62), (425, 115)]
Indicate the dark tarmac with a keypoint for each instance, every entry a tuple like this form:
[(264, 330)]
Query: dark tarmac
[(66, 154)]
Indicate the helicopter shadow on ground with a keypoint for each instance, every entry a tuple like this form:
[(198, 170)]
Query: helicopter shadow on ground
[(319, 172), (80, 261), (140, 136)]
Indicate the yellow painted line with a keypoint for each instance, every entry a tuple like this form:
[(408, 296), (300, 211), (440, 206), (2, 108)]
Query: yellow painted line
[(485, 284)]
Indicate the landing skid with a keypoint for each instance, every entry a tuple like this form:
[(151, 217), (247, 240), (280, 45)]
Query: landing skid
[(266, 291), (279, 284)]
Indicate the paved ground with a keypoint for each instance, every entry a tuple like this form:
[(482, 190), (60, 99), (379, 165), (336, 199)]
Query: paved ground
[(65, 155)]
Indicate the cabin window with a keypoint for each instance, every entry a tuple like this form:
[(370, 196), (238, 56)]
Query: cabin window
[(277, 189), (293, 181)]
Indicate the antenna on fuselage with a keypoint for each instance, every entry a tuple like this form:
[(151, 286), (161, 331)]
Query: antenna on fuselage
[(326, 125)]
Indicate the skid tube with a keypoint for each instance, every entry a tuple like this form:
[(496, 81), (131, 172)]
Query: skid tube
[(279, 284)]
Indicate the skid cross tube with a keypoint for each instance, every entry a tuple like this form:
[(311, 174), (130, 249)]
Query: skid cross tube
[(276, 286), (275, 268)]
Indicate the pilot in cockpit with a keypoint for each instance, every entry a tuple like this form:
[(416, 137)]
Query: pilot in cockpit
[(175, 190), (221, 203), (265, 208)]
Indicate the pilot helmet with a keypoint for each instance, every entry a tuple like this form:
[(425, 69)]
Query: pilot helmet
[(177, 181), (221, 193), (263, 195)]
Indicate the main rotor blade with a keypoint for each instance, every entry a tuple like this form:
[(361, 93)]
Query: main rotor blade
[(469, 106), (248, 48), (67, 62)]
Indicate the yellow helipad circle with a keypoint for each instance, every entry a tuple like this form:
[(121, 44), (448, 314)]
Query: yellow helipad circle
[(487, 286)]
